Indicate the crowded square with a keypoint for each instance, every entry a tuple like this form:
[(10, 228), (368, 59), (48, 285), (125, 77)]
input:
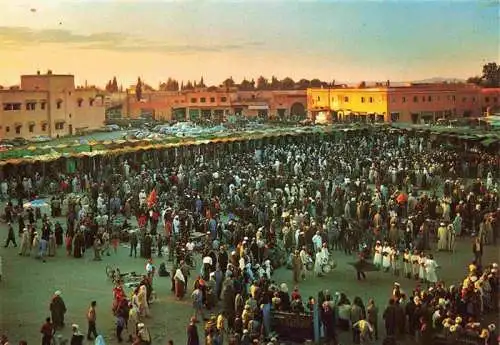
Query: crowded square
[(348, 235)]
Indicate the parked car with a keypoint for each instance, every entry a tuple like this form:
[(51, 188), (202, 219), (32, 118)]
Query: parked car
[(19, 141), (112, 128), (41, 138)]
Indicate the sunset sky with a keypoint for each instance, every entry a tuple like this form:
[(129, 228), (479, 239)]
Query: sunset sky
[(342, 40)]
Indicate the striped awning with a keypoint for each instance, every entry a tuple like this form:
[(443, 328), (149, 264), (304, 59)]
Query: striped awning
[(258, 107)]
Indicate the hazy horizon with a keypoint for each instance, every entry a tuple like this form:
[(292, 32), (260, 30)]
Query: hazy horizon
[(347, 41)]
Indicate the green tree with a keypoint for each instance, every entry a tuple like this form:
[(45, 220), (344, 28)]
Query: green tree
[(262, 83), (287, 84), (491, 75), (303, 84), (275, 83), (316, 83), (229, 82), (475, 80), (114, 85), (246, 85)]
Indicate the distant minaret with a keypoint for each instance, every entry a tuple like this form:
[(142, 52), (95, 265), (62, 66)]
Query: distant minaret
[(85, 83)]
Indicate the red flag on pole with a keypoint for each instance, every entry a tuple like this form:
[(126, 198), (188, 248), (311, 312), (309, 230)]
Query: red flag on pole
[(152, 198)]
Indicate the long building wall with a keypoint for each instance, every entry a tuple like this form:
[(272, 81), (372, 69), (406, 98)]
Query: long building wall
[(414, 103), (218, 104)]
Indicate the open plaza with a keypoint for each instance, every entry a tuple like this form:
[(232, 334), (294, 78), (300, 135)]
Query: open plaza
[(340, 234)]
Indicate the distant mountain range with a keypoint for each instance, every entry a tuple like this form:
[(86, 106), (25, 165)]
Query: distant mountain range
[(435, 80), (440, 80)]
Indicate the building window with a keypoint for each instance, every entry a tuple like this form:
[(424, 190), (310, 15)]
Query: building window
[(473, 99), (487, 99), (7, 129), (59, 125), (423, 98), (224, 99), (415, 99), (371, 99), (193, 100), (18, 129), (79, 102), (203, 100), (42, 105), (91, 102), (362, 100), (44, 127), (11, 106), (59, 104), (393, 99), (404, 99), (30, 106), (464, 99), (453, 98), (429, 99), (346, 99), (495, 99), (319, 99), (31, 128), (212, 99)]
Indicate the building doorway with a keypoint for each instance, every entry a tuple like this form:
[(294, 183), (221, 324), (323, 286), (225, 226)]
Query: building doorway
[(70, 129), (298, 109), (415, 118)]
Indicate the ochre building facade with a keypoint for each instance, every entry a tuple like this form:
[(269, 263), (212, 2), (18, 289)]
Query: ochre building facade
[(414, 103), (49, 105)]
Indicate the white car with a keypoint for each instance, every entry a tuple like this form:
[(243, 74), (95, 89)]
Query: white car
[(41, 138)]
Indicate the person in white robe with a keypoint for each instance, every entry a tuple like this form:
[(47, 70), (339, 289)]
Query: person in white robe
[(317, 242), (489, 181), (322, 258), (421, 270), (442, 233), (415, 259), (430, 269), (386, 257), (377, 256)]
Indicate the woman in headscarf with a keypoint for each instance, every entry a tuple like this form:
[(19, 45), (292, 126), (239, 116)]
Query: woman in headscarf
[(35, 245), (25, 243), (179, 283), (52, 245), (133, 320), (143, 301)]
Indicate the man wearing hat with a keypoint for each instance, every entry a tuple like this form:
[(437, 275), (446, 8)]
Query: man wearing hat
[(77, 337), (57, 310)]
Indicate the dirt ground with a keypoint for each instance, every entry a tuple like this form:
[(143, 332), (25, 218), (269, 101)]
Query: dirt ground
[(28, 285)]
